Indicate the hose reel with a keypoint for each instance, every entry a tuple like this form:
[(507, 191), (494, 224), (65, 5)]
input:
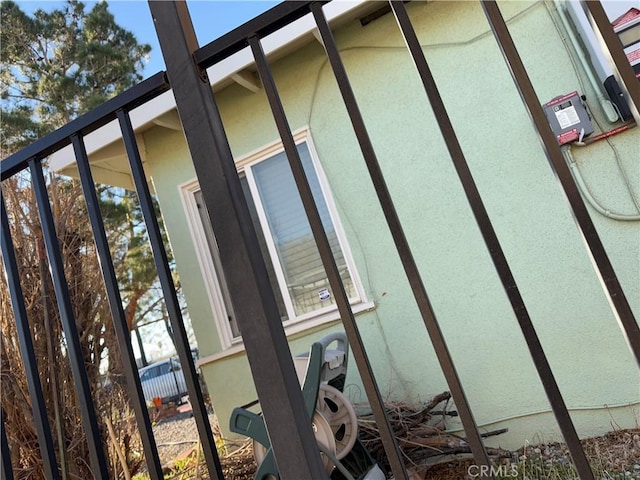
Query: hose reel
[(321, 373)]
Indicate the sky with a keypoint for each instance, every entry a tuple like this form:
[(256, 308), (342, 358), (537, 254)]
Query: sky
[(211, 19)]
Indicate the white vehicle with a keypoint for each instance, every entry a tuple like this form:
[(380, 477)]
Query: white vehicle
[(164, 380)]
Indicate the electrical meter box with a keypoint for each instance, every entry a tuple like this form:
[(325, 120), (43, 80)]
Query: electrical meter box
[(568, 118)]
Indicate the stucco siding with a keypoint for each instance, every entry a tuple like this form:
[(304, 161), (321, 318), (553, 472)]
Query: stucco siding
[(580, 335)]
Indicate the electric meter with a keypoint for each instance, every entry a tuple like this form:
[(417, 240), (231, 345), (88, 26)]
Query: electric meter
[(568, 118)]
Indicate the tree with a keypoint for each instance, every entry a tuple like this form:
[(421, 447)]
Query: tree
[(59, 64), (55, 66), (94, 325), (133, 258)]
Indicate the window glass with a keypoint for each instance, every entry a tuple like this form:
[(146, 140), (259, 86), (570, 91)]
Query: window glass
[(263, 248), (213, 247), (306, 280), (630, 35), (151, 373)]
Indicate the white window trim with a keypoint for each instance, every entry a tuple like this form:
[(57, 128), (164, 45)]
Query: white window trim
[(316, 321), (198, 236), (230, 344)]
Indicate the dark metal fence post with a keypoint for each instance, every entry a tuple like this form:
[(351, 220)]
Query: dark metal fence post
[(87, 408), (607, 275), (253, 300), (121, 328), (45, 440), (170, 296), (328, 261), (6, 470)]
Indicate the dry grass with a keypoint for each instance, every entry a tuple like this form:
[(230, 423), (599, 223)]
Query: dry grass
[(614, 456), (611, 457)]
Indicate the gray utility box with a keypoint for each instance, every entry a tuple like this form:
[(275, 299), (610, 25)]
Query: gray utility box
[(568, 118)]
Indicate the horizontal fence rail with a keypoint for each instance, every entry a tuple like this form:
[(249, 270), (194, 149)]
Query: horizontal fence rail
[(85, 124), (265, 342), (269, 22)]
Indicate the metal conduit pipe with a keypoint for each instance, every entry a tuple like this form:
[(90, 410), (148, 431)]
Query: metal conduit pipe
[(586, 193), (607, 107)]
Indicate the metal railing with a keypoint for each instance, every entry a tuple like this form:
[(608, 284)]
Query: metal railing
[(253, 300)]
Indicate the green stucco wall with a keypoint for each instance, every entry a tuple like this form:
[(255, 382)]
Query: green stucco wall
[(593, 366)]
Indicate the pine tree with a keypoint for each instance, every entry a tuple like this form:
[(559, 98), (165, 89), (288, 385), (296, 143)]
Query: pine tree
[(57, 65)]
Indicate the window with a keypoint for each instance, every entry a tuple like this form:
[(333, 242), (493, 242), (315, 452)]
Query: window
[(155, 371), (148, 374), (293, 263)]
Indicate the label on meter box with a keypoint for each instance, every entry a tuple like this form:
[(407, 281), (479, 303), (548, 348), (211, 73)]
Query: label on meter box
[(568, 118), (566, 114)]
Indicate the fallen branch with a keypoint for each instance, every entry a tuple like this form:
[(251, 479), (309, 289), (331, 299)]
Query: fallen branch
[(420, 432), (181, 442)]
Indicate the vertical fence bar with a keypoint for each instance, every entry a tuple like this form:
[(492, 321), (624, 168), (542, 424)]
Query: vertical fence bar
[(243, 266), (491, 239), (608, 279), (6, 470), (400, 240), (45, 440), (123, 334), (171, 298), (342, 301), (92, 430), (619, 61)]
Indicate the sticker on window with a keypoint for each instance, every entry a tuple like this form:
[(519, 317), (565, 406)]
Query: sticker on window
[(323, 294)]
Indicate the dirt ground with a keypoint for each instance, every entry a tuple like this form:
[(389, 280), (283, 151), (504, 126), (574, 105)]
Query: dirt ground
[(614, 456)]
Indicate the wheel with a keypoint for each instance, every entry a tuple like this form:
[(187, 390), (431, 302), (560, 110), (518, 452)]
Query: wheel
[(323, 433), (341, 415)]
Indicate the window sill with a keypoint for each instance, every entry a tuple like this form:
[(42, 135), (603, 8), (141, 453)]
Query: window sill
[(328, 317)]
